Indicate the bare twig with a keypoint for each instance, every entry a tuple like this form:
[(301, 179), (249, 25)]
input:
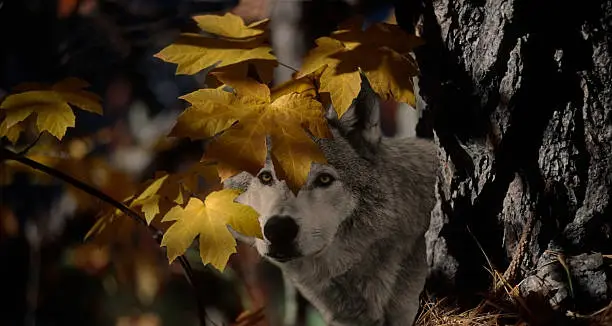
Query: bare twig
[(287, 66), (7, 154), (10, 155), (29, 147)]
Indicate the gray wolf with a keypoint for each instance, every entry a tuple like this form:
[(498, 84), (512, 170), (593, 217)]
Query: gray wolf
[(352, 239)]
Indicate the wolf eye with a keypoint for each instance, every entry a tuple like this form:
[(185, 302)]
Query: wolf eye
[(265, 177), (324, 180)]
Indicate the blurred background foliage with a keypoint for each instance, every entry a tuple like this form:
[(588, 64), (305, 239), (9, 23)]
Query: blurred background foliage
[(49, 275)]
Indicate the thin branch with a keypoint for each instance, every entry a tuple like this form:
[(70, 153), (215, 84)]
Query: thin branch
[(7, 154), (193, 282), (191, 279), (29, 147), (287, 66), (10, 155)]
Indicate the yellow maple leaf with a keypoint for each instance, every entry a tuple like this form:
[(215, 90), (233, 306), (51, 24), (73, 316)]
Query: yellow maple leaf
[(302, 86), (244, 86), (389, 73), (111, 227), (238, 48), (173, 214), (149, 199), (211, 111), (12, 133), (150, 207), (243, 148), (165, 190), (209, 220), (378, 50), (391, 76), (230, 26), (163, 195), (292, 149), (263, 68), (342, 87), (295, 109), (352, 34), (321, 56), (194, 52), (51, 106), (71, 90), (199, 178), (293, 153), (260, 70)]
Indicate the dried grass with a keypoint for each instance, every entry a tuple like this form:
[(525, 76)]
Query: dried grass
[(441, 313), (501, 308)]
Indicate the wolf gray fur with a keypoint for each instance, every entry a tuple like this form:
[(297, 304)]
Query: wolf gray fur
[(352, 239)]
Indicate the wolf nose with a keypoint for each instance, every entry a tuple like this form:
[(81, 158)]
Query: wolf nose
[(280, 230)]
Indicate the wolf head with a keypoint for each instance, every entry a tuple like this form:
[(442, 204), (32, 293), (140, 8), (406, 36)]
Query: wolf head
[(305, 224)]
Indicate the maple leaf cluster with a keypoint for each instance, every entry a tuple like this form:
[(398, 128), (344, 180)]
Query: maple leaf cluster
[(240, 110), (173, 198), (381, 51), (237, 113)]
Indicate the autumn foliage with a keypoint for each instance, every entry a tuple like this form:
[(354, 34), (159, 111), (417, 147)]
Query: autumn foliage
[(236, 113)]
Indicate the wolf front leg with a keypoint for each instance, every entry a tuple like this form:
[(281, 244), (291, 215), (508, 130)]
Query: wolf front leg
[(405, 312), (339, 313), (404, 307), (407, 317)]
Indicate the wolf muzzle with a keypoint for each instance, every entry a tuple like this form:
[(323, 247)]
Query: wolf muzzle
[(281, 231)]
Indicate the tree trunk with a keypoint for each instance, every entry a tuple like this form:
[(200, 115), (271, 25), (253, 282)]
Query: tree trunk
[(520, 93)]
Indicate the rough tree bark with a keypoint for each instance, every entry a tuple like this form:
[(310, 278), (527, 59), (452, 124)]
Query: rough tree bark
[(520, 93)]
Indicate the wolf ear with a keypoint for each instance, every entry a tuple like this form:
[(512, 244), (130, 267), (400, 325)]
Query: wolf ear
[(360, 125), (269, 163)]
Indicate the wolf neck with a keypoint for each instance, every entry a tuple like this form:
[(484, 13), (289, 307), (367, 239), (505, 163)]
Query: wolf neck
[(349, 270)]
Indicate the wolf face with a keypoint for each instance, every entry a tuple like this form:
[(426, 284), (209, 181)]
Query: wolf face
[(298, 225)]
